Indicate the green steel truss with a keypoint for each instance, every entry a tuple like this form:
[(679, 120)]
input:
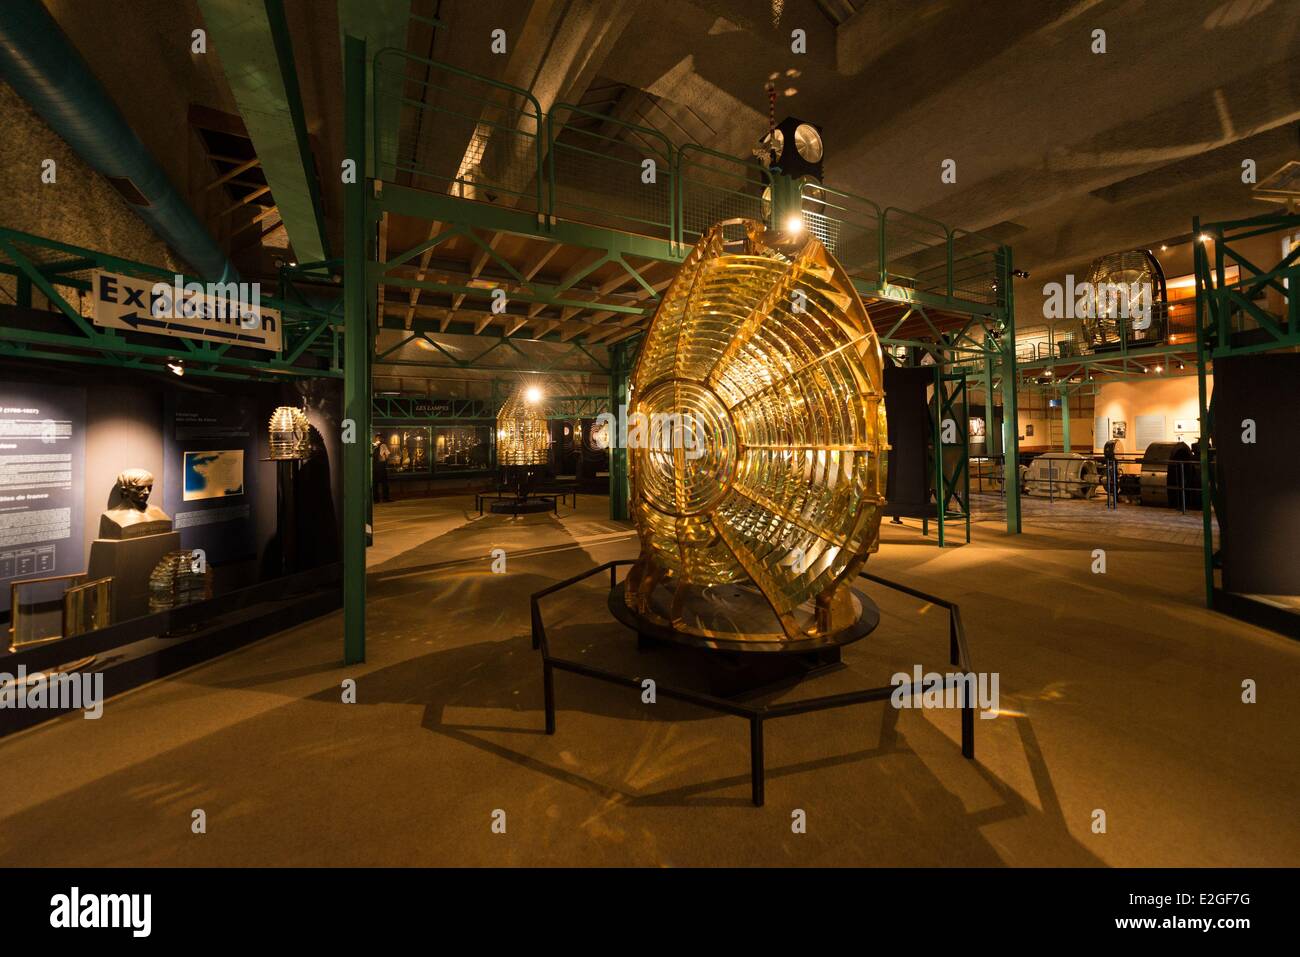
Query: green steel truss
[(399, 408), (575, 179), (1055, 358), (1231, 322), (951, 472), (61, 272), (519, 359)]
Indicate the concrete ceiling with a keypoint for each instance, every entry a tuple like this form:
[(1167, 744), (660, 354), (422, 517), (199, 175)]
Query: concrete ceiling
[(1063, 152), (1060, 151)]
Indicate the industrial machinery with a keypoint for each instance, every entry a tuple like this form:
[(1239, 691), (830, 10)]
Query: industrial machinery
[(1062, 475), (758, 482), (1171, 476)]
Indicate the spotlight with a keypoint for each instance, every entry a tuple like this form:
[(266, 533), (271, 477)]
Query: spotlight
[(1164, 248), (1204, 237), (1020, 273), (1160, 368), (177, 367), (794, 225), (534, 394)]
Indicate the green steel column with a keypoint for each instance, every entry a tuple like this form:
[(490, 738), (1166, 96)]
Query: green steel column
[(1205, 341), (1065, 418), (1010, 415), (940, 472), (356, 358), (787, 200), (618, 485), (992, 437)]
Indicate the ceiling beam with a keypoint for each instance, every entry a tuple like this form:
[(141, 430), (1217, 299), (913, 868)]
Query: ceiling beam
[(252, 38)]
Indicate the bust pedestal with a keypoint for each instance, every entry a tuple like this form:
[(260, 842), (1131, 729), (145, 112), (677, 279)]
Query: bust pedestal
[(125, 522), (129, 561)]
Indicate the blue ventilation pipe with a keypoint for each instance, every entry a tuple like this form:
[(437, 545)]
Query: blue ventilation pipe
[(39, 62)]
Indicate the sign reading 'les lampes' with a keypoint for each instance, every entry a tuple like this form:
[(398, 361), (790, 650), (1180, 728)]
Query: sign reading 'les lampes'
[(229, 312)]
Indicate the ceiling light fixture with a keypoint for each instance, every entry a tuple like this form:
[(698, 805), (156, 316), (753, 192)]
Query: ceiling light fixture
[(177, 366)]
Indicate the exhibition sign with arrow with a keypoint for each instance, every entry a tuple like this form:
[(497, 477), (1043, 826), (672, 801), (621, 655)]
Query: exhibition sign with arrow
[(218, 312)]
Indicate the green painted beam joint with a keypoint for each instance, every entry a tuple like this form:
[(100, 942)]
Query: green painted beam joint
[(251, 37)]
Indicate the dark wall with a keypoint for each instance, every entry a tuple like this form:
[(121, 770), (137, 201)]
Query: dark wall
[(1258, 482), (130, 424), (907, 411), (123, 429)]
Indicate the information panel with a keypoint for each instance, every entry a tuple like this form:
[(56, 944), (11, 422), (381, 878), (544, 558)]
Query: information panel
[(42, 476), (211, 463)]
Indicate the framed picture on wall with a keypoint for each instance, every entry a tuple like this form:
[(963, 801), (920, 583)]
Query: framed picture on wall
[(1119, 429), (1029, 429), (218, 474)]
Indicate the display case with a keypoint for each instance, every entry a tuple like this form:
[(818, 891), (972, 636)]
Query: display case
[(58, 606), (461, 448), (408, 449)]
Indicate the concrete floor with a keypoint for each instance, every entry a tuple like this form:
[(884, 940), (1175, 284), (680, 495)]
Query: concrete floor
[(1130, 693)]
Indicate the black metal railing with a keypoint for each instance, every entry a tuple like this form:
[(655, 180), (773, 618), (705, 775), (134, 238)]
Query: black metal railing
[(755, 714)]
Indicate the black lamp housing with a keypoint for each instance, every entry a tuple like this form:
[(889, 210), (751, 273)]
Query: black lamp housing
[(790, 160)]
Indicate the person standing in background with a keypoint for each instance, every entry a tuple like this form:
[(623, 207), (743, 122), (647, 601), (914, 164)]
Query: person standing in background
[(379, 470)]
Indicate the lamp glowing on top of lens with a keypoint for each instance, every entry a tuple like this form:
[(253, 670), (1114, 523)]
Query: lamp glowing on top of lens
[(757, 491)]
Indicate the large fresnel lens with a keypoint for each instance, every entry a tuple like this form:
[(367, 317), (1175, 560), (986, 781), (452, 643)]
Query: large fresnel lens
[(760, 469)]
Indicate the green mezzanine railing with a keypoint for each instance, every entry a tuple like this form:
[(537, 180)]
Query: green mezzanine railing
[(475, 138)]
